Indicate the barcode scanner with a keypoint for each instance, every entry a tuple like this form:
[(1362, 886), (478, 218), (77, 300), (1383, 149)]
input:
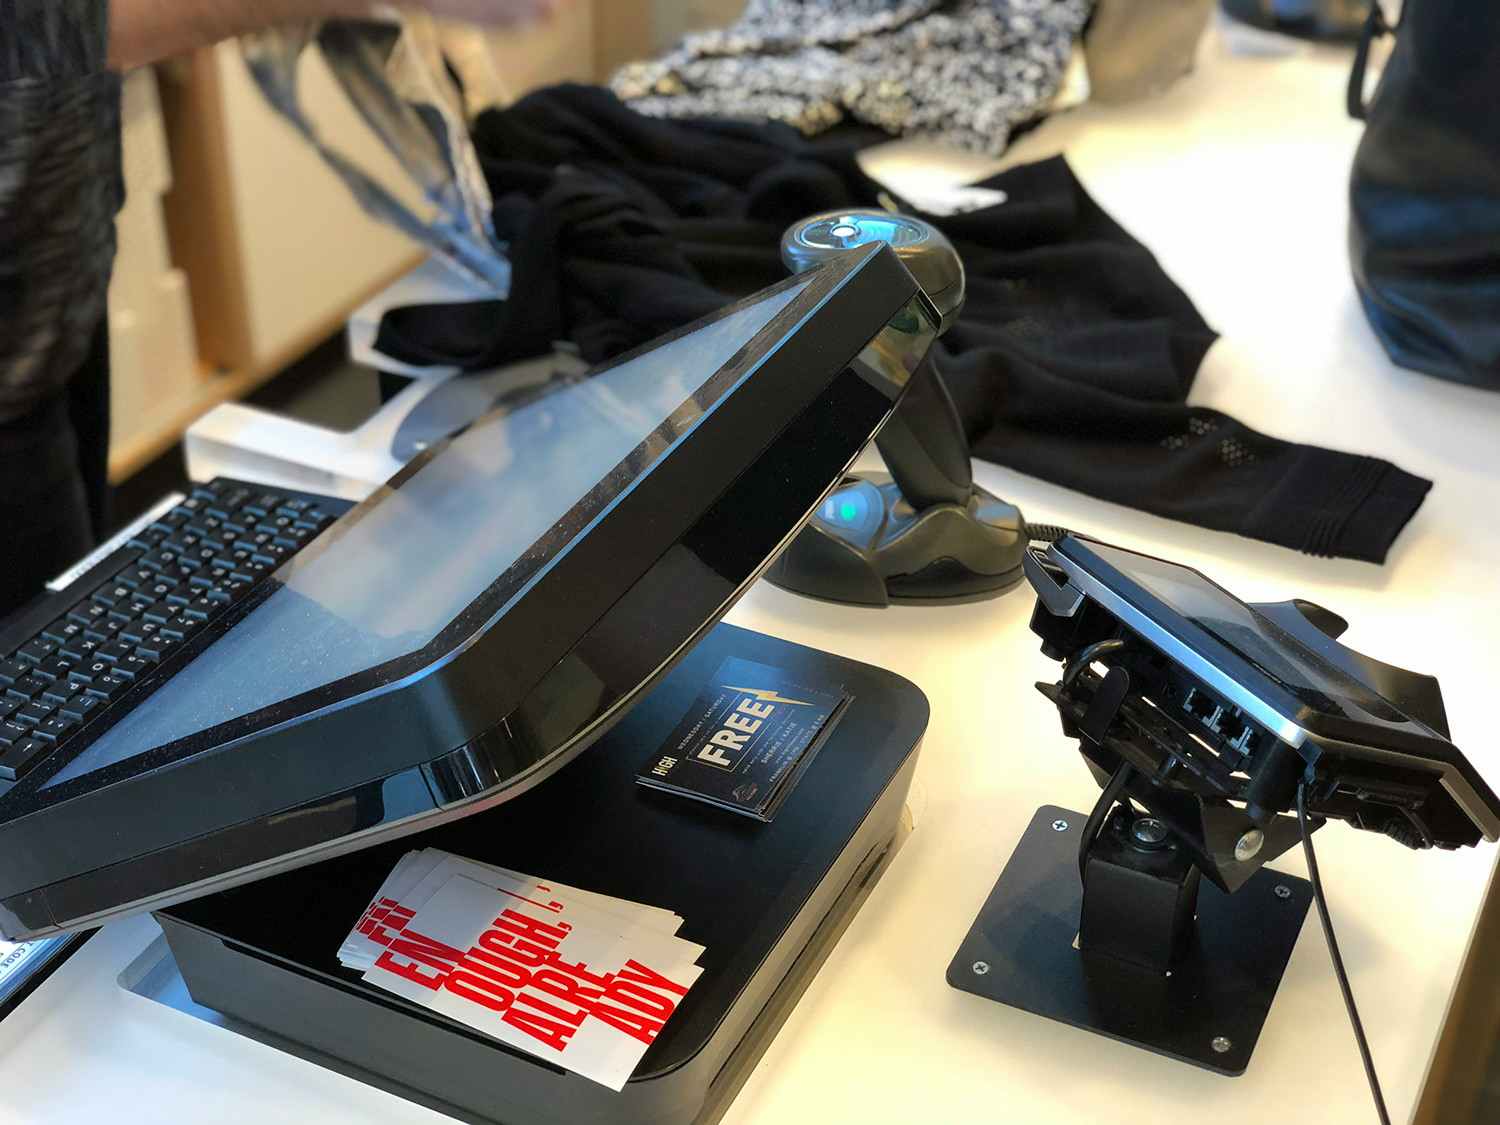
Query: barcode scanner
[(926, 534)]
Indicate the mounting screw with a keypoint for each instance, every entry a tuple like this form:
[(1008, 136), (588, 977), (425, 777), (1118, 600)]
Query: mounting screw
[(1221, 1045), (1059, 826), (1248, 846), (980, 968), (1150, 831), (1283, 891)]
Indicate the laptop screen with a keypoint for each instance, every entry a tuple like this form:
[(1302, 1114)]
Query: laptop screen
[(504, 498)]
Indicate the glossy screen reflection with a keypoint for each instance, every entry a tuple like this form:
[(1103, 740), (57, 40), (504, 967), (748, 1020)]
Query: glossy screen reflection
[(502, 499), (1315, 682)]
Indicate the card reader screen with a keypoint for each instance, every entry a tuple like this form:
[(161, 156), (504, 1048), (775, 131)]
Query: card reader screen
[(1313, 680), (506, 494)]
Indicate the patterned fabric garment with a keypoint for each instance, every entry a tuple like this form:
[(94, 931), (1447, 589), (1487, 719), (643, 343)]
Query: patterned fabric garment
[(60, 187), (965, 72)]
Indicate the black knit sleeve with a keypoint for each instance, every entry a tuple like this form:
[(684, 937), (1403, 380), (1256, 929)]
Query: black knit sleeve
[(60, 187)]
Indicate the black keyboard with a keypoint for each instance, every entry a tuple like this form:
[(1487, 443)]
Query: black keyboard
[(118, 630)]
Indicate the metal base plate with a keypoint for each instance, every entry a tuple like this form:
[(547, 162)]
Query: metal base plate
[(1207, 1011)]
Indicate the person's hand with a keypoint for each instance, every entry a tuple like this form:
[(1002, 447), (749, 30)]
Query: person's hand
[(496, 12)]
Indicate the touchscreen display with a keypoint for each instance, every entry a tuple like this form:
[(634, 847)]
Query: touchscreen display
[(385, 581), (1314, 681)]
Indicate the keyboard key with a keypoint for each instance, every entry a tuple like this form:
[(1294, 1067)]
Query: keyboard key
[(114, 653), (12, 732), (26, 688), (55, 669), (59, 692), (109, 687), (146, 540), (139, 599), (159, 589), (32, 713), (20, 758), (157, 648), (294, 538), (134, 666), (9, 707), (138, 631), (200, 608), (86, 674), (213, 576), (104, 631), (12, 670), (82, 707), (182, 543), (80, 650), (251, 571), (181, 628), (264, 504), (56, 728), (86, 613), (113, 594), (134, 576), (37, 651), (62, 631), (128, 612)]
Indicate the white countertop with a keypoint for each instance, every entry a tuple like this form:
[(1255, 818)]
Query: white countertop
[(1237, 180)]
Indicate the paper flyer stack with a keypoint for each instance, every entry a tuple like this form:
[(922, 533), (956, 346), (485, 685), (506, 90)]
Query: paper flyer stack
[(580, 979)]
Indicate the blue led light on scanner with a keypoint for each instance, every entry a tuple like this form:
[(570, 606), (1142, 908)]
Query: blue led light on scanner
[(850, 507)]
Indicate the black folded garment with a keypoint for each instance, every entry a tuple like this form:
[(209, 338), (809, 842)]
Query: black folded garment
[(1072, 361)]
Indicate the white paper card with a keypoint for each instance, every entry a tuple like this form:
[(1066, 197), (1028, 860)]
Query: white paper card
[(419, 875), (557, 979)]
